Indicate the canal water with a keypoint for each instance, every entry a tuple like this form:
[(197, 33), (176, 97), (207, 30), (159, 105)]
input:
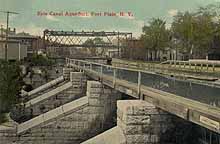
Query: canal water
[(185, 88)]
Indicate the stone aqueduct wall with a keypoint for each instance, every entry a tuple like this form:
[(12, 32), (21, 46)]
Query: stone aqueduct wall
[(75, 127), (77, 90), (80, 125)]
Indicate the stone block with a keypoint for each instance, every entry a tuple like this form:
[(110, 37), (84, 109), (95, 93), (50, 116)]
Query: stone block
[(138, 138), (94, 84), (144, 119)]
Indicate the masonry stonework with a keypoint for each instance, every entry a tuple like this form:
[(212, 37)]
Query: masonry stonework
[(66, 72), (77, 90), (78, 126), (142, 122)]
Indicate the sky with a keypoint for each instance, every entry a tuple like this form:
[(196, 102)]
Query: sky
[(141, 11)]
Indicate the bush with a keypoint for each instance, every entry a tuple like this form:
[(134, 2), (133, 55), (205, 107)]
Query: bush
[(40, 60)]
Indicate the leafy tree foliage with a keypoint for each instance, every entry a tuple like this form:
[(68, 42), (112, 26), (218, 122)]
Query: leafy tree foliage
[(10, 85), (92, 43), (195, 32), (40, 60), (155, 36), (191, 33)]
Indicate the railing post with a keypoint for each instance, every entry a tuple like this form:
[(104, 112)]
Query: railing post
[(90, 66), (114, 78), (139, 84), (78, 63), (101, 69), (66, 61), (213, 67), (84, 66), (101, 72)]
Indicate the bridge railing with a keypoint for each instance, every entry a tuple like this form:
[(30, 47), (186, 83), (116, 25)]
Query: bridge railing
[(194, 102), (150, 79), (197, 64), (115, 72)]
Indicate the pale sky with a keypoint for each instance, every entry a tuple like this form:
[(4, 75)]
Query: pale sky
[(142, 10)]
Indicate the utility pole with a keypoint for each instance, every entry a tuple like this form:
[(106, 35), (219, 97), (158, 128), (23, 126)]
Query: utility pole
[(6, 40), (1, 32)]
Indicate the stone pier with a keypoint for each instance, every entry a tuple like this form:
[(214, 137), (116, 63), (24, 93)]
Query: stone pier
[(66, 72), (142, 122), (138, 122)]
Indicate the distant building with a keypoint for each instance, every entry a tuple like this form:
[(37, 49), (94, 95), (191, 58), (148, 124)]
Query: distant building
[(22, 44), (16, 50), (30, 41), (214, 52)]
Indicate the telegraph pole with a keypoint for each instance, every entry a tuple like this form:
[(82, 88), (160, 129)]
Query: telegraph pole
[(1, 32), (6, 40)]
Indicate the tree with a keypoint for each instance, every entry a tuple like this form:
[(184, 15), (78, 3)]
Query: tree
[(195, 31), (182, 29), (10, 85), (155, 37), (92, 46), (41, 60)]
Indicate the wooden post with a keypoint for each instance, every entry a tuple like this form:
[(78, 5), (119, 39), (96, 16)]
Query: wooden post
[(139, 83), (114, 78), (101, 70), (84, 66), (90, 66), (213, 67)]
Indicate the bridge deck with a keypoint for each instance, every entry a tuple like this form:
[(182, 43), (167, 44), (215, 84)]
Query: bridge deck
[(202, 114)]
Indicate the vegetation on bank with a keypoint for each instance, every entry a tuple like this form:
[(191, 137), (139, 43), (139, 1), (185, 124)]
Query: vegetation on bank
[(40, 60), (10, 85), (193, 34)]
